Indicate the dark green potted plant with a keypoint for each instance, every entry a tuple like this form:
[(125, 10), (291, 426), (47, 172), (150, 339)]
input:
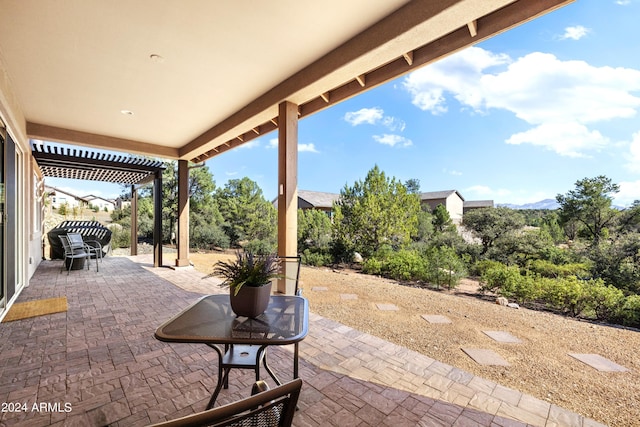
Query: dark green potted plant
[(249, 279)]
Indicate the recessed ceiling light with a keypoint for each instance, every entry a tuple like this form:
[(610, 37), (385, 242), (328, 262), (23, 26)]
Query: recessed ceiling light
[(156, 58), (127, 112)]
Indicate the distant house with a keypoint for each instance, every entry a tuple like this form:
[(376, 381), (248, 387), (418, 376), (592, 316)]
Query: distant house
[(476, 204), (314, 200), (122, 203), (60, 197), (452, 200), (100, 202)]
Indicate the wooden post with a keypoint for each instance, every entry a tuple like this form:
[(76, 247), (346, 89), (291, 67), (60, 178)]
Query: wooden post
[(182, 239), (287, 190), (157, 220), (134, 220)]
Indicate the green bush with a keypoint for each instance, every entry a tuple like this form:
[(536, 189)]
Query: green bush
[(261, 247), (605, 301), (500, 278), (444, 267), (316, 259), (480, 267), (372, 266), (630, 311), (549, 269), (120, 237), (526, 289), (208, 236), (566, 294), (405, 265)]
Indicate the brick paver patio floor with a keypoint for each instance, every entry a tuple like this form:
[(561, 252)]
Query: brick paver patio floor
[(98, 364)]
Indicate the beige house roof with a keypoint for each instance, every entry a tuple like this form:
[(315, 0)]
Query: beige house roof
[(318, 199), (437, 195), (470, 204)]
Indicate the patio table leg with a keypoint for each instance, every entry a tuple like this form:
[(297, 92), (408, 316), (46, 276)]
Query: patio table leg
[(222, 377)]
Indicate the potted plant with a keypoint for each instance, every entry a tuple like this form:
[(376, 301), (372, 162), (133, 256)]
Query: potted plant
[(249, 280)]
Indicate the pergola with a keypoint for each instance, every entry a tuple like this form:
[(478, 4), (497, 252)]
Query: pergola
[(191, 80), (61, 162)]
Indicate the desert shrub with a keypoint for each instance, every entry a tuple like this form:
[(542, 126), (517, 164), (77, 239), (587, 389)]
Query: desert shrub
[(372, 266), (604, 300), (405, 265), (340, 251), (630, 311), (566, 294), (206, 236), (260, 246), (315, 258), (500, 278), (526, 289), (480, 267), (549, 269), (444, 267), (120, 237)]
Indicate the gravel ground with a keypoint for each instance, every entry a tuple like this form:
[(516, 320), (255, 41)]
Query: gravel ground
[(539, 366)]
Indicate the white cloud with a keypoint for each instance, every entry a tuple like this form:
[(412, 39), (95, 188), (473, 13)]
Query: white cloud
[(393, 124), (574, 33), (366, 115), (623, 2), (451, 172), (538, 88), (629, 192), (251, 144), (310, 148), (231, 173), (566, 139), (374, 116), (392, 140), (482, 191), (634, 153), (459, 74)]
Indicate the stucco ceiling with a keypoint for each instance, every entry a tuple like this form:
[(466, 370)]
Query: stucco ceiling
[(182, 79)]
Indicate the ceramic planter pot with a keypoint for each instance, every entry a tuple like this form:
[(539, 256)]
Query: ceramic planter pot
[(251, 301)]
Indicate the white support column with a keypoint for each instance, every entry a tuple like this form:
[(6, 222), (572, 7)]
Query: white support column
[(287, 190)]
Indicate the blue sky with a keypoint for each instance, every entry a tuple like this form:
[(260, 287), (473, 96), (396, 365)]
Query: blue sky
[(518, 118)]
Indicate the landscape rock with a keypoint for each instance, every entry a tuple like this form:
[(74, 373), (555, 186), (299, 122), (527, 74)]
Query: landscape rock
[(502, 301), (513, 305)]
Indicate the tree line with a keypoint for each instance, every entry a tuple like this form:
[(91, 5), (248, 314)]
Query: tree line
[(582, 259)]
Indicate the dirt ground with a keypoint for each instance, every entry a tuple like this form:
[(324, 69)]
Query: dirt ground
[(539, 366)]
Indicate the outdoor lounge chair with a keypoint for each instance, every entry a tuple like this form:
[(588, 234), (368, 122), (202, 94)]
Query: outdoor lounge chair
[(71, 254), (265, 408)]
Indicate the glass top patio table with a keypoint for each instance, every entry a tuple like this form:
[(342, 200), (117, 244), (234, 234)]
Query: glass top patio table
[(211, 321)]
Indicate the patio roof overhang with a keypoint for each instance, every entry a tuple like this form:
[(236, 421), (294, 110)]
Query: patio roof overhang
[(190, 80), (61, 162), (71, 163)]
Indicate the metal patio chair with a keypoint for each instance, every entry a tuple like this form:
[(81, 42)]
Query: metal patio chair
[(71, 254), (265, 408), (93, 247)]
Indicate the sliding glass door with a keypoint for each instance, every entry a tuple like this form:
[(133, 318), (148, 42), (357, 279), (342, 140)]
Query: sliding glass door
[(2, 219)]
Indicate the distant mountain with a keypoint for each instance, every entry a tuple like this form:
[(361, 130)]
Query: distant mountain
[(550, 204)]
